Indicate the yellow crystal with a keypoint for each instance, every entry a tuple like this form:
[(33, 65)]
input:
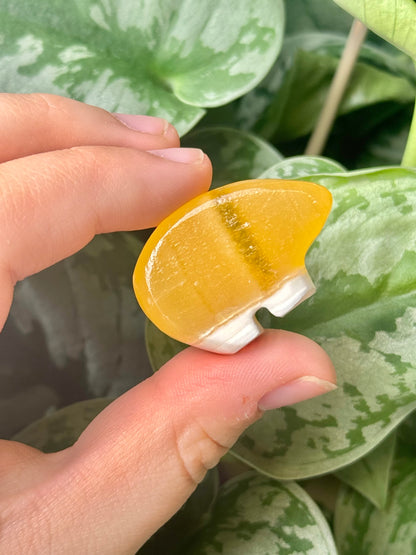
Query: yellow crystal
[(209, 266)]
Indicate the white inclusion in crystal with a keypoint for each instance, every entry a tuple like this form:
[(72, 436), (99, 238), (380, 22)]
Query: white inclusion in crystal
[(239, 331)]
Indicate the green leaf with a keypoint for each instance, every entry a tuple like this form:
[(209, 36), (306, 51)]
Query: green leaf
[(296, 167), (295, 105), (363, 314), (235, 155), (362, 528), (87, 312), (140, 56), (286, 104), (256, 515), (62, 428), (370, 475), (394, 21)]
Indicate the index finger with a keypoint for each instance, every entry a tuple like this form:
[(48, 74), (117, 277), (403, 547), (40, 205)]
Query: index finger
[(34, 123), (52, 204)]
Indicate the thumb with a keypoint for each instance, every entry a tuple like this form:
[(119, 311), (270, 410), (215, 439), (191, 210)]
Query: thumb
[(143, 456)]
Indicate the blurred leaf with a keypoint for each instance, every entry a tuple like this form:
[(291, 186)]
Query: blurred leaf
[(235, 155), (62, 428), (87, 311), (363, 314), (324, 491), (254, 514), (370, 475), (406, 433), (287, 103), (309, 84), (140, 56), (385, 145), (21, 409), (298, 166), (362, 528), (316, 15), (394, 21)]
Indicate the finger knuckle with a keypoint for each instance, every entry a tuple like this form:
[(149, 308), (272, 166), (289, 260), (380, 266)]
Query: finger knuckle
[(197, 449)]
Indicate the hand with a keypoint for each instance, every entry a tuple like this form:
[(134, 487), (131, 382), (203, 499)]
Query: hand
[(67, 172)]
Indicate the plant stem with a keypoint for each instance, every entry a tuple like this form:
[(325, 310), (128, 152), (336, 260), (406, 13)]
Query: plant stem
[(337, 89), (409, 156)]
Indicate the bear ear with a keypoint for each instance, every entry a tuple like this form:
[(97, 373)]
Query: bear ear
[(209, 267)]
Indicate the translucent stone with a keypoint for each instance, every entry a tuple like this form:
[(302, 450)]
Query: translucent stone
[(209, 266)]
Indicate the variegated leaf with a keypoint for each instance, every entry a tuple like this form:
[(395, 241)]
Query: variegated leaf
[(85, 310), (296, 167), (363, 314), (362, 528), (257, 515), (143, 56)]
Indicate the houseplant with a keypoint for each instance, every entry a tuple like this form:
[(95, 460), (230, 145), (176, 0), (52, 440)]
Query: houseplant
[(247, 85)]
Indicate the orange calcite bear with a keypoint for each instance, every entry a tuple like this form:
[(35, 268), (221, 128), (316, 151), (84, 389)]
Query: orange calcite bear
[(210, 265)]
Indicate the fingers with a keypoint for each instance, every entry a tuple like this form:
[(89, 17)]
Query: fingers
[(52, 204), (34, 123), (137, 463)]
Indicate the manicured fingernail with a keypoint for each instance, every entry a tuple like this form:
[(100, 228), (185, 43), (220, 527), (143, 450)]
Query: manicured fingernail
[(294, 392), (144, 124), (183, 155)]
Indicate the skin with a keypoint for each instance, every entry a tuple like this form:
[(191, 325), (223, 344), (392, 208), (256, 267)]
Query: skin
[(169, 429)]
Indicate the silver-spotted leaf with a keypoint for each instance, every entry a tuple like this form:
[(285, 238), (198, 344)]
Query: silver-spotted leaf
[(362, 528), (85, 310), (297, 167), (140, 56), (257, 515), (364, 315)]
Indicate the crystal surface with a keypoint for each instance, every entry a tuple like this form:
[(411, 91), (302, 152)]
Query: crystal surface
[(215, 261)]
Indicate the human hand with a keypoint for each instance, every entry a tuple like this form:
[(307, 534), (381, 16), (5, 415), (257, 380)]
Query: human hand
[(67, 172)]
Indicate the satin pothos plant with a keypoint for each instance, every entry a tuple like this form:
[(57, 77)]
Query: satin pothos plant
[(246, 81)]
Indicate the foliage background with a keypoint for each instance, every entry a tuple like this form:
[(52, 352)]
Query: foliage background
[(245, 81)]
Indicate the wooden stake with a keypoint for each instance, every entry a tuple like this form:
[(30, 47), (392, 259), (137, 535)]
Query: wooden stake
[(337, 89)]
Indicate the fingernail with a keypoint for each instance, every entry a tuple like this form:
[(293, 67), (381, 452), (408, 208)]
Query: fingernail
[(183, 155), (295, 391), (144, 124)]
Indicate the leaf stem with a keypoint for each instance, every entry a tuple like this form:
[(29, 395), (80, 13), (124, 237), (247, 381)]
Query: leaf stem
[(409, 156), (337, 89)]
